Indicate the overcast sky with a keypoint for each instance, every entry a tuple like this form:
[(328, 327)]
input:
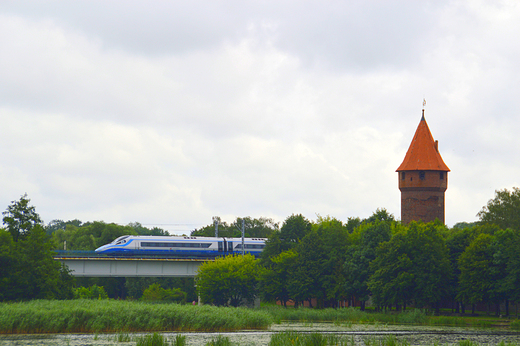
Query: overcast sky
[(170, 112)]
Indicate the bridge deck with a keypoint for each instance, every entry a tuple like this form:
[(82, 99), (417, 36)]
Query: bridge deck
[(131, 266)]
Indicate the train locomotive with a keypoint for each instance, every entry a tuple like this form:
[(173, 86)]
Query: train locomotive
[(182, 247)]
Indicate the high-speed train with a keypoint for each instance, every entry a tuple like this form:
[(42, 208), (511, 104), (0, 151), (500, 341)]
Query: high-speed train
[(190, 247)]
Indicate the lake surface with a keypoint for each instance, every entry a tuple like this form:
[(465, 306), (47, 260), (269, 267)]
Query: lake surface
[(414, 335)]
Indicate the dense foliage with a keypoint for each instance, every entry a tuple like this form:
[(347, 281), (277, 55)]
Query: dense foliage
[(27, 269), (322, 263), (253, 228), (230, 280)]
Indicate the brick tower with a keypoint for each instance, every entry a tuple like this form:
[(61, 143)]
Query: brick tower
[(423, 178)]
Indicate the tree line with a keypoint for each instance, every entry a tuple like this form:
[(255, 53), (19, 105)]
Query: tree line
[(394, 265), (326, 260)]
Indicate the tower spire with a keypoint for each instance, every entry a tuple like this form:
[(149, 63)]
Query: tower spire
[(423, 178), (423, 105)]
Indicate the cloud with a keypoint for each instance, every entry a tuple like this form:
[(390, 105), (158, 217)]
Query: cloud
[(176, 112)]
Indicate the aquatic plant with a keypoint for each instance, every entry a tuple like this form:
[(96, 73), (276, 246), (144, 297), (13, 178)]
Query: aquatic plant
[(220, 340), (388, 340), (154, 339), (309, 339), (515, 324), (180, 340), (123, 337)]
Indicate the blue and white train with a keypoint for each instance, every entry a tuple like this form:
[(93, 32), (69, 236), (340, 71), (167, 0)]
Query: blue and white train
[(188, 247)]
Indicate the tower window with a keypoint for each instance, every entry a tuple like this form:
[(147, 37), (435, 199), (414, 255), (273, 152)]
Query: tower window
[(441, 175), (403, 175), (422, 175)]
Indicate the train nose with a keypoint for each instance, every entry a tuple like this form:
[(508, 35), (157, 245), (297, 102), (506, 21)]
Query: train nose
[(101, 248)]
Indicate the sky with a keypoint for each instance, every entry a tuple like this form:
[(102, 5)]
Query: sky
[(168, 113)]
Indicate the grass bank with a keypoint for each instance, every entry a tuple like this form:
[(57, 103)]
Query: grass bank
[(97, 316), (409, 317), (94, 316)]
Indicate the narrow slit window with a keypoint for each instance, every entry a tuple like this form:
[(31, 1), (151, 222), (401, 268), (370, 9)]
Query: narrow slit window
[(441, 175), (422, 175)]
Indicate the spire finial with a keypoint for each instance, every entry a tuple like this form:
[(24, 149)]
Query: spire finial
[(423, 104)]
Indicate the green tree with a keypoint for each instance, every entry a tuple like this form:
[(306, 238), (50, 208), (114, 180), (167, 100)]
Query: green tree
[(305, 283), (20, 218), (28, 268), (224, 230), (228, 280), (31, 271), (255, 228), (358, 256), (475, 264), (294, 228), (413, 266), (55, 225), (335, 237), (275, 280), (503, 210), (381, 214), (508, 244), (91, 235), (141, 230), (457, 240)]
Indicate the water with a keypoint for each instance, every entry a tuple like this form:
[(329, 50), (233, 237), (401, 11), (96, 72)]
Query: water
[(414, 335)]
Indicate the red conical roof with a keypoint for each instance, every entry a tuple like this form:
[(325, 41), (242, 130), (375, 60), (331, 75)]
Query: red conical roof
[(423, 153)]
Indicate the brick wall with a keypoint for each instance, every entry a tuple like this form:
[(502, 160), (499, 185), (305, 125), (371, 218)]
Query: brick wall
[(422, 195)]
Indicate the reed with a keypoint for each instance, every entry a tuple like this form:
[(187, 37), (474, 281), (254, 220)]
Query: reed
[(309, 339), (180, 340), (389, 340), (154, 339), (220, 340), (351, 315), (93, 316), (515, 324)]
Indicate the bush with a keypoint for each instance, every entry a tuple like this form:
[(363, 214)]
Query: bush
[(155, 292), (92, 292)]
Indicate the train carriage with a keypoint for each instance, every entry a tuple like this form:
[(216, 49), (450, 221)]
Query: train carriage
[(171, 246)]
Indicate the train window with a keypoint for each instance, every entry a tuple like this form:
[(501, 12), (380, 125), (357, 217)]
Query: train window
[(250, 246), (168, 244), (119, 239), (220, 246)]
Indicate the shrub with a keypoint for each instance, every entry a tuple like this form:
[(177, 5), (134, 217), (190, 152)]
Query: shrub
[(92, 292), (155, 292)]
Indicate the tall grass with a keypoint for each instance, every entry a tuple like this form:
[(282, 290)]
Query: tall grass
[(220, 340), (91, 316), (389, 340), (180, 340), (356, 316), (349, 314), (515, 324), (154, 339), (312, 339)]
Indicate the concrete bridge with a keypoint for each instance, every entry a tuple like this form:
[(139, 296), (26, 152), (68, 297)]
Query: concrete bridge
[(131, 267)]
